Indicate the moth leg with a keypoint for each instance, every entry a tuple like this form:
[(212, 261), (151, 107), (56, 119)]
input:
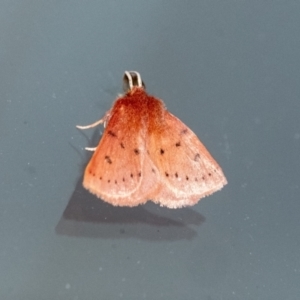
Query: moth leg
[(91, 125), (103, 120), (90, 149)]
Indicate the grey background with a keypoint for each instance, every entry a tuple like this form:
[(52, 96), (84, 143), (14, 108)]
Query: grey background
[(229, 70)]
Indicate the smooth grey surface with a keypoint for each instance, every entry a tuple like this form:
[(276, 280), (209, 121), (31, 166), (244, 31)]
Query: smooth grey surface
[(229, 70)]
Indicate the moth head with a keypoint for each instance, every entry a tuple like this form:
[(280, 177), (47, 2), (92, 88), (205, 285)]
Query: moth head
[(132, 79)]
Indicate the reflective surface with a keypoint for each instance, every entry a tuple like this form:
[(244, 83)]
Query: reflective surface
[(229, 70)]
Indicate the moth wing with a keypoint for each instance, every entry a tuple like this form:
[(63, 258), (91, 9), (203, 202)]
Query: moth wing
[(187, 172), (116, 169)]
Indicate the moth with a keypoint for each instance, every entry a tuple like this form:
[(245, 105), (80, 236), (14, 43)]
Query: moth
[(146, 153)]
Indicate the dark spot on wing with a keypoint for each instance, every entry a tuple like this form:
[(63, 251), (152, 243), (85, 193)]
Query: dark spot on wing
[(122, 145), (136, 151), (187, 177), (184, 131), (107, 158), (111, 133), (162, 151), (176, 175), (177, 144), (197, 157), (167, 174)]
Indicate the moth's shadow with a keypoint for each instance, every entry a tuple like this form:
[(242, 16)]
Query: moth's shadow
[(87, 216)]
